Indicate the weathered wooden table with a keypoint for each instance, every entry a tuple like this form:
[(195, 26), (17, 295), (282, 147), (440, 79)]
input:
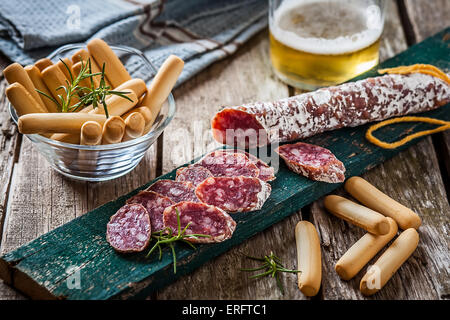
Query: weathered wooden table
[(34, 199)]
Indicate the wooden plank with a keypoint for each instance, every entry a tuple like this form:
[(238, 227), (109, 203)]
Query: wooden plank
[(247, 78), (106, 274), (392, 177)]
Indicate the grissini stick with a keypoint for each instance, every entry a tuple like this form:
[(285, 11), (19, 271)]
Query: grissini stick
[(362, 251), (389, 262), (136, 85), (114, 69), (117, 105), (376, 200), (54, 78), (63, 67), (162, 84), (66, 137), (309, 259), (83, 55), (134, 126), (356, 214), (22, 100), (35, 76), (16, 73), (91, 133), (61, 122), (145, 112), (76, 68), (43, 63), (113, 130)]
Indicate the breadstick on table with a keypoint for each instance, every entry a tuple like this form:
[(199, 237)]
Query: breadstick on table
[(113, 130), (91, 133), (22, 100), (63, 68), (115, 71), (43, 63), (16, 73), (361, 216), (134, 126), (309, 260), (61, 122), (54, 78), (390, 261), (362, 251), (35, 76), (83, 55), (376, 200), (162, 84)]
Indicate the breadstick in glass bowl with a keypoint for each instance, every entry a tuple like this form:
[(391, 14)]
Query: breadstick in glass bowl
[(64, 150)]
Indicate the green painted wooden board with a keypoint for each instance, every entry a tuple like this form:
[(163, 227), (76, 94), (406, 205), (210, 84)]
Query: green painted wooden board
[(41, 268)]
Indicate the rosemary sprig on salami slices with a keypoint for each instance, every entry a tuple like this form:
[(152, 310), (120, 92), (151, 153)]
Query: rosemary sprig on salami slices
[(167, 237), (272, 266)]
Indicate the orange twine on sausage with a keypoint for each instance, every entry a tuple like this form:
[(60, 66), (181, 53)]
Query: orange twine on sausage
[(418, 68), (445, 125)]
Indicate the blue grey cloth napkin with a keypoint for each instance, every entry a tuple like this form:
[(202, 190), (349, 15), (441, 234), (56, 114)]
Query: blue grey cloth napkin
[(198, 31)]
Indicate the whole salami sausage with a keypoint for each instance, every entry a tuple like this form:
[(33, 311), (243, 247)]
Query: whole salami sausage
[(176, 191), (347, 105), (155, 204), (234, 194), (313, 162), (129, 229), (203, 219)]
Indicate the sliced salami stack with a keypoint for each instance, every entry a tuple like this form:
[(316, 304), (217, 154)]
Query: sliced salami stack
[(203, 194)]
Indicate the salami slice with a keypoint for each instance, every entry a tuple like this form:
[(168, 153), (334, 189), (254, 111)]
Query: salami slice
[(266, 172), (129, 229), (314, 162), (224, 164), (193, 173), (155, 204), (234, 194), (347, 105), (176, 191), (204, 219)]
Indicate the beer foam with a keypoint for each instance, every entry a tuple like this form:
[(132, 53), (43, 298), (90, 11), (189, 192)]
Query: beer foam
[(343, 42)]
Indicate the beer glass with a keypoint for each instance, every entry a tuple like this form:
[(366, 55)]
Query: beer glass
[(318, 43)]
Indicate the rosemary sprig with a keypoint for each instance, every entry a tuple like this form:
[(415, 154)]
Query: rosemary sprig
[(166, 237), (87, 95), (272, 265)]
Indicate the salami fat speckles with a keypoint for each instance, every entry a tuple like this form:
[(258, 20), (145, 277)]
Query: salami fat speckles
[(347, 105), (155, 204), (193, 173), (203, 219), (176, 191), (234, 194), (129, 229), (313, 162), (227, 164)]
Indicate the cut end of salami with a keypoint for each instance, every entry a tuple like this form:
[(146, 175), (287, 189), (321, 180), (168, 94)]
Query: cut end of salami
[(313, 162), (204, 219), (193, 173), (155, 204), (234, 194), (176, 191), (238, 128), (228, 164), (129, 229)]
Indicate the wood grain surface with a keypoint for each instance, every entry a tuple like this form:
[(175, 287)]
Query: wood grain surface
[(27, 183)]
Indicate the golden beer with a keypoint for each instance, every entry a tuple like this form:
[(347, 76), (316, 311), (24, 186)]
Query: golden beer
[(321, 43)]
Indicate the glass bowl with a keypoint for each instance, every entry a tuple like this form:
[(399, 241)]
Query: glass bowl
[(103, 162)]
